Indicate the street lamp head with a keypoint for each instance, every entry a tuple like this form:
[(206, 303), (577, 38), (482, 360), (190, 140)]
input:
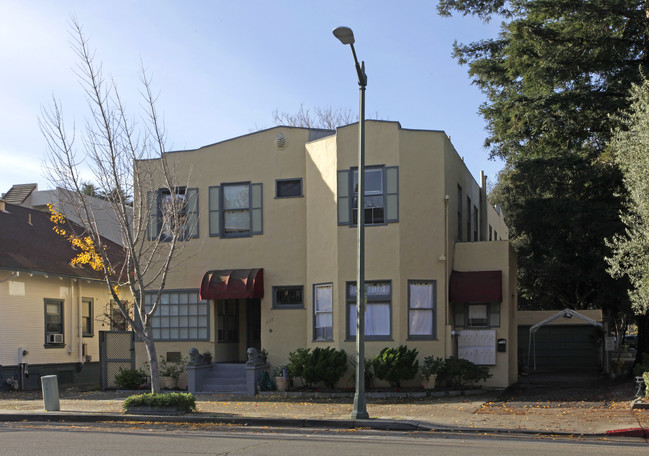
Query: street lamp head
[(344, 34)]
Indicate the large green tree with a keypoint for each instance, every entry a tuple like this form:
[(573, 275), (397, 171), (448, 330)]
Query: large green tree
[(630, 145), (552, 78)]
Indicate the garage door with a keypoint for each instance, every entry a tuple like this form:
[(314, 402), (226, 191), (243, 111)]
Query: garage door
[(561, 348)]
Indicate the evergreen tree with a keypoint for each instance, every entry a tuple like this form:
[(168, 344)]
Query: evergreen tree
[(630, 145), (553, 77)]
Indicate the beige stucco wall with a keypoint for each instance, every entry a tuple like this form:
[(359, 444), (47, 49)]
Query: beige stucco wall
[(493, 256), (22, 317), (302, 243)]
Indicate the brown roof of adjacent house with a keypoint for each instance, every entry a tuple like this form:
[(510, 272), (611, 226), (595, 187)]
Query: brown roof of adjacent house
[(29, 244), (17, 194)]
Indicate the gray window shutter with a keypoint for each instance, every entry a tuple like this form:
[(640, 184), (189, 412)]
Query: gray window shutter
[(256, 208), (192, 213), (214, 211), (344, 211), (392, 194), (153, 229)]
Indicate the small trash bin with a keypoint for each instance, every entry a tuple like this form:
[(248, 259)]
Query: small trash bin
[(50, 386)]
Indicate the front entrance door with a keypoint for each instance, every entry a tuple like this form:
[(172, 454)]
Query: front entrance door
[(253, 323)]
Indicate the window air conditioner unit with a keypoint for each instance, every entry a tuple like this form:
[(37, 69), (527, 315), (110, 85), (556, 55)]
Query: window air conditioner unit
[(55, 338)]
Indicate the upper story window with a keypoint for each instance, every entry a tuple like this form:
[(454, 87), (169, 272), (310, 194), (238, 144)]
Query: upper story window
[(235, 209), (381, 195), (288, 188), (459, 213), (468, 219), (475, 223), (173, 213)]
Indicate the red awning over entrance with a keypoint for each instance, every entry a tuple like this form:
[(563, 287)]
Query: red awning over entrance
[(233, 284), (476, 286)]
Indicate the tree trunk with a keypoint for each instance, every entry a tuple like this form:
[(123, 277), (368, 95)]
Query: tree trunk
[(153, 360)]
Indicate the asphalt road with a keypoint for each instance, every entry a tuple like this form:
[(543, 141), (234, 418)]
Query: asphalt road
[(58, 439)]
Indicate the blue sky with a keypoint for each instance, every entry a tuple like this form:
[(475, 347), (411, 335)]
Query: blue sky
[(222, 67)]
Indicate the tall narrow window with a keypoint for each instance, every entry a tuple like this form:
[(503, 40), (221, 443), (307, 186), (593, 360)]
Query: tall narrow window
[(54, 322), (475, 223), (460, 227), (468, 219), (87, 317), (374, 199), (378, 310), (421, 309), (323, 312)]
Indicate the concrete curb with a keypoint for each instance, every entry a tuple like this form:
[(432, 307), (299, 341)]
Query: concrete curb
[(374, 424)]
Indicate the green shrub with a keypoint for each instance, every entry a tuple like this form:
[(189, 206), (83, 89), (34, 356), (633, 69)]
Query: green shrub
[(296, 362), (641, 368), (461, 372), (645, 377), (396, 364), (172, 369), (129, 378), (326, 365), (181, 401), (432, 365)]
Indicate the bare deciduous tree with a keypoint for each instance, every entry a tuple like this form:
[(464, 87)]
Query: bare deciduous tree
[(110, 146), (325, 118)]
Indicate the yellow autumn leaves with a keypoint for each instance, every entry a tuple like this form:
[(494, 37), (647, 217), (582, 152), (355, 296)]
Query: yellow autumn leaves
[(84, 244)]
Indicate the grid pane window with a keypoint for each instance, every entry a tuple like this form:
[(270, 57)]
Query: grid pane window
[(288, 297), (178, 316)]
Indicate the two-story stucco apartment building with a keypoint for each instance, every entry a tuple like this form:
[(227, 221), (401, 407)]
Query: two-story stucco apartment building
[(272, 258)]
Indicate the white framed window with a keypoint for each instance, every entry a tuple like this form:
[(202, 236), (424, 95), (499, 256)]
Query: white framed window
[(422, 309), (378, 310), (323, 311), (181, 315)]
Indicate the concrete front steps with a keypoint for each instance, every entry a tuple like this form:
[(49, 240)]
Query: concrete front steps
[(225, 378)]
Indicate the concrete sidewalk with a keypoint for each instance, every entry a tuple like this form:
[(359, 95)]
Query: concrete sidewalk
[(482, 412)]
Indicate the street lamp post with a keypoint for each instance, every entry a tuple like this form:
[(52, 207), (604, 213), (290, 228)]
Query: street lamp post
[(346, 36)]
